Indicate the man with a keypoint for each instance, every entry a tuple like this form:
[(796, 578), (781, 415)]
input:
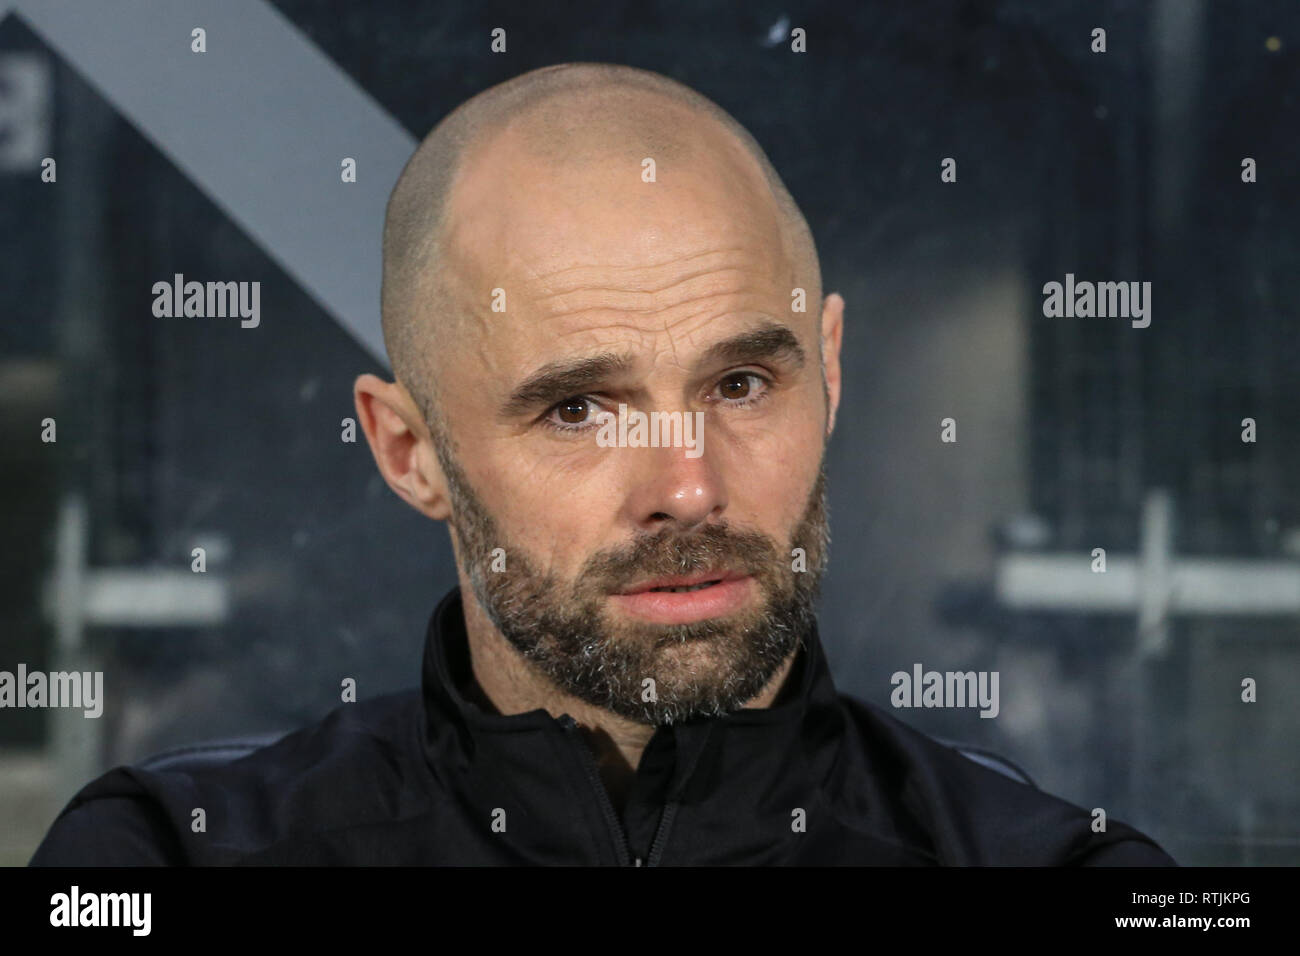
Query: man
[(629, 672)]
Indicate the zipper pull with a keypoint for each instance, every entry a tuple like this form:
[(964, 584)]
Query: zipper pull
[(638, 861)]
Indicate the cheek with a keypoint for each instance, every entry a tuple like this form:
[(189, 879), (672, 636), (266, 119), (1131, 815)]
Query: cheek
[(782, 450), (553, 506), (768, 481), (771, 497)]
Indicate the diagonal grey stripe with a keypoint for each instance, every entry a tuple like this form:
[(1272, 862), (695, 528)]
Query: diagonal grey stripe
[(260, 122)]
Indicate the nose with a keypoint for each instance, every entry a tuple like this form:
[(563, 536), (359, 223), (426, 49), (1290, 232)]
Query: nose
[(671, 487)]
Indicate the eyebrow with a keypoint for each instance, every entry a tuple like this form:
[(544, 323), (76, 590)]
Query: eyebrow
[(562, 379), (567, 378), (769, 341)]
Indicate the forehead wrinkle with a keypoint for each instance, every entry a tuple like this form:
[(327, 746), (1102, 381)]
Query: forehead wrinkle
[(577, 288), (559, 277), (689, 291), (736, 297), (686, 319), (733, 275)]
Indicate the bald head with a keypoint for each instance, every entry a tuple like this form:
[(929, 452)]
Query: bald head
[(588, 126)]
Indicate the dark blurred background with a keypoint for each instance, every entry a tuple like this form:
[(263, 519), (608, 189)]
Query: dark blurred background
[(1073, 433)]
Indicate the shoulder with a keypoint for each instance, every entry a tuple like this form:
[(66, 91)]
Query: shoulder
[(970, 814), (353, 767), (110, 830)]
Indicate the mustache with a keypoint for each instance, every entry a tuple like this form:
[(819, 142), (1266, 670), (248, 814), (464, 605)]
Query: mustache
[(714, 548)]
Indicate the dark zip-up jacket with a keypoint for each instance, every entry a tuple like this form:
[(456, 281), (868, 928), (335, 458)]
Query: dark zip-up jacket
[(427, 777)]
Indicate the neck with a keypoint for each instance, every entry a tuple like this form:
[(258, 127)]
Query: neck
[(507, 684)]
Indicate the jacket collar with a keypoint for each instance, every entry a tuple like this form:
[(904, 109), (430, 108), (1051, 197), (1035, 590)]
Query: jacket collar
[(703, 767)]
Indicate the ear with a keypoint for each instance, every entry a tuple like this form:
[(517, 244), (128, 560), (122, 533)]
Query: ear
[(401, 444), (832, 334)]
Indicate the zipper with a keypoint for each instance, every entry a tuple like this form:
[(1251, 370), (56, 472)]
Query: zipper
[(607, 806), (661, 834)]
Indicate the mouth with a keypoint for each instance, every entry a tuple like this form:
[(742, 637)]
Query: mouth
[(684, 583), (685, 599)]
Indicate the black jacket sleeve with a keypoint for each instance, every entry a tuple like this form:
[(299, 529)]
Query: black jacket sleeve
[(1128, 853), (110, 831)]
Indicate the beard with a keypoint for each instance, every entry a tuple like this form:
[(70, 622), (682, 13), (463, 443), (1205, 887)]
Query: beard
[(651, 673)]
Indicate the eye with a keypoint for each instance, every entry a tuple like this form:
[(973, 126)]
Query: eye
[(743, 388), (573, 411), (574, 414)]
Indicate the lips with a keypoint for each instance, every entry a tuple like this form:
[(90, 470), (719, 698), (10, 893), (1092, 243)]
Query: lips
[(687, 598), (684, 583)]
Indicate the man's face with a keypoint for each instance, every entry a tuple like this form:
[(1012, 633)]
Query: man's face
[(672, 296)]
